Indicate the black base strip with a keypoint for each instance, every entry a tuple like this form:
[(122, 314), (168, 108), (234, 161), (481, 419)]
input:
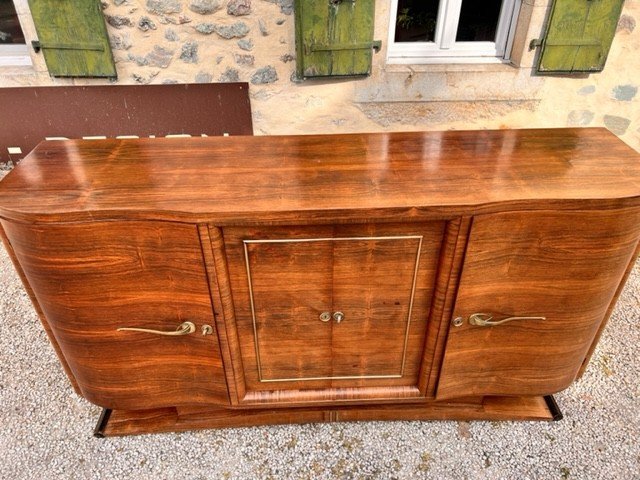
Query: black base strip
[(553, 408), (98, 432)]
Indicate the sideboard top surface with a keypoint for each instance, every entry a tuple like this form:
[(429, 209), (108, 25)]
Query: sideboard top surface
[(280, 178)]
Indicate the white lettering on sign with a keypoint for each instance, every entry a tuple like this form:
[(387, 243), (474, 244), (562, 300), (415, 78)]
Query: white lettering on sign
[(124, 137), (18, 150)]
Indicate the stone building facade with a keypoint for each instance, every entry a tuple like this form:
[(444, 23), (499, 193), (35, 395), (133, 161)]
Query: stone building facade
[(200, 41)]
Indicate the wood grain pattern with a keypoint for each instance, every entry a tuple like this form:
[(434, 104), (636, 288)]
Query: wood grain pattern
[(565, 266), (216, 289), (176, 420), (150, 233), (311, 179), (451, 259), (354, 269), (305, 395), (92, 278), (607, 315), (227, 327), (292, 284), (36, 306)]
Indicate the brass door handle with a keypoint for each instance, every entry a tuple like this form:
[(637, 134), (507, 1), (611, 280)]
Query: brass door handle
[(486, 320), (185, 328)]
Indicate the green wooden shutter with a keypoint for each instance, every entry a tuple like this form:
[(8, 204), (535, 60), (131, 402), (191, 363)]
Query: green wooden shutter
[(334, 38), (73, 37), (578, 35)]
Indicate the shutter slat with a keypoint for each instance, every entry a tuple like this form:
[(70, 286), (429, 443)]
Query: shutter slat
[(73, 37)]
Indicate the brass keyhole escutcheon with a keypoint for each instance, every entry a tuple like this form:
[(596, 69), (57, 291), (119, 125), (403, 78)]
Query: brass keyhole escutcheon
[(457, 322), (338, 316), (207, 329), (325, 316)]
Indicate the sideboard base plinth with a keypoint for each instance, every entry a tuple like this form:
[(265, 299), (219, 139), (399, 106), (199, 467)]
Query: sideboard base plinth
[(134, 422)]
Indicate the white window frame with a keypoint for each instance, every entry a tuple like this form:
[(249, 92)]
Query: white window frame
[(15, 54), (444, 48)]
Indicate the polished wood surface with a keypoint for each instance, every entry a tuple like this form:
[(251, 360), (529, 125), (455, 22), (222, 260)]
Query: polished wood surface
[(607, 315), (251, 180), (123, 422), (36, 306), (91, 279), (449, 270), (224, 304), (152, 233), (565, 266), (372, 274)]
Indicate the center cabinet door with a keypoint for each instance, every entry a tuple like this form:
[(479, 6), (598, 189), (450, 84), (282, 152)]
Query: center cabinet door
[(332, 306)]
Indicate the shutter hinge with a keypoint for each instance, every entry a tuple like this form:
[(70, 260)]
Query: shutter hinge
[(37, 46), (324, 47), (534, 43), (567, 42)]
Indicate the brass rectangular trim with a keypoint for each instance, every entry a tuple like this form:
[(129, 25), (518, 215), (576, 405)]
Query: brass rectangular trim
[(346, 377), (413, 291), (330, 239)]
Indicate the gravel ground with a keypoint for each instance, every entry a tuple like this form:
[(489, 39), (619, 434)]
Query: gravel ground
[(45, 429)]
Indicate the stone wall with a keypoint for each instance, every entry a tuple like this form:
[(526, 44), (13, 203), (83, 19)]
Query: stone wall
[(201, 41), (187, 41)]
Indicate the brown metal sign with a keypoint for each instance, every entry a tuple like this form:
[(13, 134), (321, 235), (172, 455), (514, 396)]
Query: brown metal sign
[(32, 114)]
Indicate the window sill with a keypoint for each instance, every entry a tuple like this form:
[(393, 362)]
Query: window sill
[(498, 82), (15, 56), (446, 65), (15, 61), (15, 76)]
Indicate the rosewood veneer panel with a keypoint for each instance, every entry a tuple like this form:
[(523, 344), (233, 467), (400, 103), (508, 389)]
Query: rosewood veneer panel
[(233, 180), (91, 279)]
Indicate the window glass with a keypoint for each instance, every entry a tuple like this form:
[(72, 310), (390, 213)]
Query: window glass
[(416, 20), (10, 31), (456, 31), (478, 21)]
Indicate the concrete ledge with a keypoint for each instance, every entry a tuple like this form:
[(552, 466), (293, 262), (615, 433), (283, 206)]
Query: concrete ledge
[(410, 85), (437, 113)]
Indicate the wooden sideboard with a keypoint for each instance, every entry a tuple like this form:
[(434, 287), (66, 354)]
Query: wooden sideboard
[(209, 282)]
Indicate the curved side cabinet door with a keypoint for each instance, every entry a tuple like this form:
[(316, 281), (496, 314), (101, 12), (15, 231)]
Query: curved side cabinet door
[(535, 287), (93, 279)]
